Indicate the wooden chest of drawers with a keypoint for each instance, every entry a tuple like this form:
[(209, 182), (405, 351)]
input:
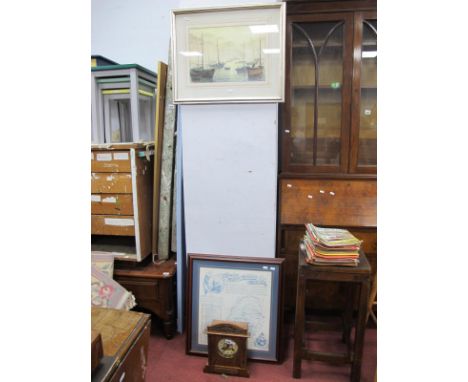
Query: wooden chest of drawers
[(121, 199)]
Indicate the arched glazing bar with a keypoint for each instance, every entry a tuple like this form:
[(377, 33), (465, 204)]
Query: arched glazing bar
[(316, 58), (370, 26)]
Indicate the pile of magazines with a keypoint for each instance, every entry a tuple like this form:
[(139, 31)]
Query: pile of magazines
[(331, 246)]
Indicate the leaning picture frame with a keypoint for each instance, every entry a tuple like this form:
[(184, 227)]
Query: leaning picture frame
[(240, 289), (230, 54)]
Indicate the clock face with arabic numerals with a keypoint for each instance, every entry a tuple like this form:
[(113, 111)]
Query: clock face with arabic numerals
[(227, 348)]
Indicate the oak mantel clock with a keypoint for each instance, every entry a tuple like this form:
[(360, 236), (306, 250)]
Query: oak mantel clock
[(227, 348)]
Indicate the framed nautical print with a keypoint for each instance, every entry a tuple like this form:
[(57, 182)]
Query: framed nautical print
[(240, 289), (229, 54)]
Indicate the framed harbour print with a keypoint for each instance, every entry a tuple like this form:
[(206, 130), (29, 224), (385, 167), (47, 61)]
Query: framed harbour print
[(229, 54), (240, 289)]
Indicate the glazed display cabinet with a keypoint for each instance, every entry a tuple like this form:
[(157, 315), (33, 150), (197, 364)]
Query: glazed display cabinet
[(328, 132)]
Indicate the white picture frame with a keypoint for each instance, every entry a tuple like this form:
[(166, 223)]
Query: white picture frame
[(229, 54)]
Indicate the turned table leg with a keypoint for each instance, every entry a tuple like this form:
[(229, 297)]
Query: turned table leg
[(299, 326), (360, 329), (168, 328)]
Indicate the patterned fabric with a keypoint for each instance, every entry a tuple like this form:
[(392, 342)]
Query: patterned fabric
[(107, 293), (103, 261)]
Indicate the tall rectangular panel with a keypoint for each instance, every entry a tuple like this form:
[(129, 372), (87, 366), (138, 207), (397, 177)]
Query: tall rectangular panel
[(230, 178)]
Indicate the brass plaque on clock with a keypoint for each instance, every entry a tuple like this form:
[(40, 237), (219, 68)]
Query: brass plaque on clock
[(227, 348)]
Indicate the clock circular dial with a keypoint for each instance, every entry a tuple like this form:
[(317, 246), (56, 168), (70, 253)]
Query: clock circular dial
[(227, 348)]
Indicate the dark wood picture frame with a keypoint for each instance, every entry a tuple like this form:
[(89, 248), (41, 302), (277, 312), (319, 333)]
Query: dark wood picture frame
[(272, 265)]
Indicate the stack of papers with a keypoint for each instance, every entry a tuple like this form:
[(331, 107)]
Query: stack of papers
[(331, 246)]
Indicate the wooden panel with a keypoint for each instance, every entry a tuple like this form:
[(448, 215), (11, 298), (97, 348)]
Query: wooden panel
[(125, 336), (368, 237), (346, 203), (151, 271), (144, 184), (142, 289), (112, 204), (112, 225), (118, 328), (134, 365), (158, 140), (292, 239), (115, 183), (110, 161), (96, 349), (302, 7), (325, 295)]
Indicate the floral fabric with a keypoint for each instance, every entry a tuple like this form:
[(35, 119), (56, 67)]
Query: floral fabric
[(107, 293)]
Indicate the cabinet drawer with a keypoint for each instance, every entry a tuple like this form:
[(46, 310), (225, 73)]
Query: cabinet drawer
[(112, 225), (112, 204), (143, 290), (106, 161), (111, 183)]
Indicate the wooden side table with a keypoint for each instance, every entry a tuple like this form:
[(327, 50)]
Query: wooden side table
[(153, 287), (354, 277)]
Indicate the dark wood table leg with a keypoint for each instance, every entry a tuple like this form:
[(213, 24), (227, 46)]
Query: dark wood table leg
[(168, 329), (348, 313), (169, 302), (360, 330), (299, 324)]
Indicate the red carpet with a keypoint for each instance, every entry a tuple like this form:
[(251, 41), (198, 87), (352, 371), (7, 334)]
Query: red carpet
[(167, 362)]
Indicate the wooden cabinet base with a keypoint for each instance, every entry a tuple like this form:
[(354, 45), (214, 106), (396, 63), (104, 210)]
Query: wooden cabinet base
[(153, 287)]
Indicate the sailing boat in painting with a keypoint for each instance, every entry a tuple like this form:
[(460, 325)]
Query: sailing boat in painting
[(255, 72), (219, 64), (199, 73), (242, 68), (228, 54)]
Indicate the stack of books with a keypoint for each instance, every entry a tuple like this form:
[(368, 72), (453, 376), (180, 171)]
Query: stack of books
[(331, 246)]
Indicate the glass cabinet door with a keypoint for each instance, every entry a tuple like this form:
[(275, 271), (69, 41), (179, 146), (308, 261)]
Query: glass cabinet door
[(316, 134), (364, 114)]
